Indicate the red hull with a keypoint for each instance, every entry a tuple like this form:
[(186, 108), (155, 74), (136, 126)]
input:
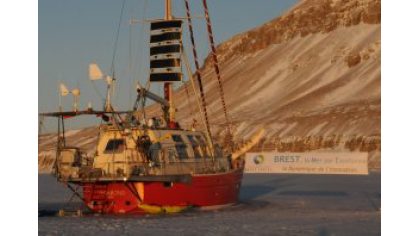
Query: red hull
[(129, 197)]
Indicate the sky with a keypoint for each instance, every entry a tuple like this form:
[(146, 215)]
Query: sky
[(72, 34)]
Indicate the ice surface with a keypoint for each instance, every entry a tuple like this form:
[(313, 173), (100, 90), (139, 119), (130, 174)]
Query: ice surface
[(269, 205)]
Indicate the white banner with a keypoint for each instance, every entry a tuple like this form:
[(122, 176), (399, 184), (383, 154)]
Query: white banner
[(348, 163)]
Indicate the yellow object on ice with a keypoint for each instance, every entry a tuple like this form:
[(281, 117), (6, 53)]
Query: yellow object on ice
[(174, 209), (152, 209)]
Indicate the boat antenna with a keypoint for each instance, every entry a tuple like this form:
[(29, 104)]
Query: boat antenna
[(109, 90)]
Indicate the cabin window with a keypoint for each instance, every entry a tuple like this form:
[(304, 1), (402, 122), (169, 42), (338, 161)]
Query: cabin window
[(202, 145), (171, 153), (181, 150), (177, 138), (154, 151), (192, 140), (195, 146), (115, 146), (218, 151)]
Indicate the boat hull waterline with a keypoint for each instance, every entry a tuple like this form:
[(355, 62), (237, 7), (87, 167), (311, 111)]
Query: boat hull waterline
[(204, 191)]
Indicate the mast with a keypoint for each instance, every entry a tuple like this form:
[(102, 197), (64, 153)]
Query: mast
[(108, 106), (167, 90), (168, 9)]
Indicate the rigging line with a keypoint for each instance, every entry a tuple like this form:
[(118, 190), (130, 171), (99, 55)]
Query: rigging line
[(58, 148), (185, 84), (143, 35), (131, 57), (116, 39), (140, 68), (216, 65), (143, 102), (143, 110), (75, 193), (130, 61), (197, 68), (208, 134)]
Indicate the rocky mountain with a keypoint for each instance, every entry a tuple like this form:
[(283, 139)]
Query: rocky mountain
[(311, 78)]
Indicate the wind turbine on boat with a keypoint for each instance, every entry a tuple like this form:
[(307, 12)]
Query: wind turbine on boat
[(95, 73), (64, 91)]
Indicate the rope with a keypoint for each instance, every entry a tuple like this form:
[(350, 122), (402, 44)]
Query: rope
[(116, 39), (187, 65), (216, 68), (188, 100), (141, 70), (130, 66), (197, 67)]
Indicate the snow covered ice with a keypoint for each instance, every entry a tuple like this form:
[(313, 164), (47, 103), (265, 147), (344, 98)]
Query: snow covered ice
[(269, 205)]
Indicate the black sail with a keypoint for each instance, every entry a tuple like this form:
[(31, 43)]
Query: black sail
[(165, 51)]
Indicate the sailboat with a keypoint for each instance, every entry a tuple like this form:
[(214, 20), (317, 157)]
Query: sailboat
[(154, 165)]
